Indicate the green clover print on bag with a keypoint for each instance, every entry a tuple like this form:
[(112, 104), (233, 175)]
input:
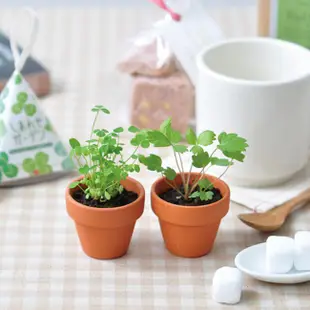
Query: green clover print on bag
[(67, 163), (37, 165), (21, 105), (7, 169)]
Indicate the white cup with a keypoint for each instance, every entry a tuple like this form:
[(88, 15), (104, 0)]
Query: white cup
[(260, 89)]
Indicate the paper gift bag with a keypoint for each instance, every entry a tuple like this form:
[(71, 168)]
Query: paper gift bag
[(29, 146)]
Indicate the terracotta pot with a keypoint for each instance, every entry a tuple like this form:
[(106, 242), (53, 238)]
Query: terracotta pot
[(189, 231), (106, 233)]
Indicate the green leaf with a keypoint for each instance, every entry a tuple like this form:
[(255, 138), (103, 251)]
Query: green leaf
[(84, 169), (205, 196), (137, 168), (172, 135), (232, 143), (107, 195), (48, 126), (191, 136), (194, 195), (18, 79), (170, 173), (98, 108), (30, 109), (17, 108), (175, 136), (74, 143), (145, 144), (196, 149), (222, 136), (104, 110), (22, 97), (2, 162), (118, 129), (78, 150), (68, 164), (220, 162), (152, 162), (139, 137), (134, 156), (235, 155), (4, 156), (133, 129), (45, 169), (165, 126), (205, 184), (201, 160), (60, 149), (100, 133), (74, 184), (85, 150), (180, 148), (10, 170), (41, 159), (158, 139), (206, 138), (29, 165)]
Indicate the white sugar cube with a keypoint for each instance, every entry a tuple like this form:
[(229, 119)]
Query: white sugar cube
[(227, 285), (279, 254), (302, 251)]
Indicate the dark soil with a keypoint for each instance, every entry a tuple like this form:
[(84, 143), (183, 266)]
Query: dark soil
[(174, 197), (122, 199)]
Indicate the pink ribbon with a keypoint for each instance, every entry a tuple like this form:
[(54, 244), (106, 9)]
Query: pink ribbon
[(162, 4)]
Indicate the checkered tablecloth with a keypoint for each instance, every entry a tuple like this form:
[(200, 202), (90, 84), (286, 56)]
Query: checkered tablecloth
[(42, 266)]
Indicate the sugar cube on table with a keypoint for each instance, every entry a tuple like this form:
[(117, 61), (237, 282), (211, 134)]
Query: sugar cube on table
[(227, 285), (279, 254), (302, 251)]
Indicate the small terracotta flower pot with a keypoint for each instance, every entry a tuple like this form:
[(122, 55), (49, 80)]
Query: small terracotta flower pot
[(105, 233), (189, 231)]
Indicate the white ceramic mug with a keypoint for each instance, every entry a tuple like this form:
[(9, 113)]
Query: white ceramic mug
[(260, 89)]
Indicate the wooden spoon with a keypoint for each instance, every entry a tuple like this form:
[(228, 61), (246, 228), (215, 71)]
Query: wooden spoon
[(273, 219)]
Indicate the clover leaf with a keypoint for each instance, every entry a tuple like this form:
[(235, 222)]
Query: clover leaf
[(18, 79), (22, 97), (37, 165), (60, 149), (30, 109), (9, 170)]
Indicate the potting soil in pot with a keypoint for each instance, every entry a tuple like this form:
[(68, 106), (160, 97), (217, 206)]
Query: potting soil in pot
[(122, 199), (174, 197)]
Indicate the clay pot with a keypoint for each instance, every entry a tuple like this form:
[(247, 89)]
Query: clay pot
[(189, 231), (105, 233)]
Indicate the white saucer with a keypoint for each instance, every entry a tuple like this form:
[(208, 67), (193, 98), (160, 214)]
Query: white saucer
[(252, 262)]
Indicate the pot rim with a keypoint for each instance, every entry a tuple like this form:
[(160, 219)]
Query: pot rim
[(224, 197), (140, 194)]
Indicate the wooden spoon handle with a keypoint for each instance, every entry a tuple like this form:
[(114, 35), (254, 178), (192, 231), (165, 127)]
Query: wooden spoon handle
[(289, 206)]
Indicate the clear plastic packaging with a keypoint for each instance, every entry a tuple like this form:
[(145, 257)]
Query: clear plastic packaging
[(148, 55)]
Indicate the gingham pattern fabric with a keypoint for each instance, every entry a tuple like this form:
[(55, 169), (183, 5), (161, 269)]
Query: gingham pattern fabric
[(42, 266)]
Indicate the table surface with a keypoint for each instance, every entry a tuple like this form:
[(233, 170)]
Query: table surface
[(42, 265)]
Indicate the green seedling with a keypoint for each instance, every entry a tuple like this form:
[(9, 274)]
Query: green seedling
[(102, 162), (229, 146)]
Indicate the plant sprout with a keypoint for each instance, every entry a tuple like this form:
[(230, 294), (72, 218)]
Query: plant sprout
[(229, 145), (101, 161)]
